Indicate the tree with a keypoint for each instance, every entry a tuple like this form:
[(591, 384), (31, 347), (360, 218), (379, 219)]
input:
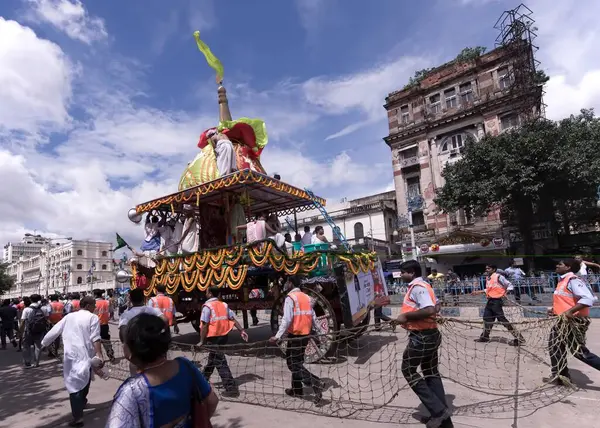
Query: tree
[(469, 54), (541, 171), (6, 282)]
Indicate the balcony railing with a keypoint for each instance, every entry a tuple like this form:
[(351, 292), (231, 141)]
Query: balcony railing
[(407, 162)]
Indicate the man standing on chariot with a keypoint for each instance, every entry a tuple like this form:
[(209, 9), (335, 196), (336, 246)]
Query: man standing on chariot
[(226, 159)]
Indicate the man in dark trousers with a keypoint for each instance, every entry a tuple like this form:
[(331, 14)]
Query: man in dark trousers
[(216, 321), (496, 286), (298, 320), (8, 316), (418, 316), (571, 302)]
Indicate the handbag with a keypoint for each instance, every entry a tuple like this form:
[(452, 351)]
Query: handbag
[(200, 417)]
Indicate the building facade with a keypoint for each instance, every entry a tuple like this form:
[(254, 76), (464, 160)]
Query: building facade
[(366, 223), (29, 246), (72, 266), (429, 125)]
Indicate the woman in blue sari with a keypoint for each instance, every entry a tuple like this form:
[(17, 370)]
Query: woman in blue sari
[(162, 394)]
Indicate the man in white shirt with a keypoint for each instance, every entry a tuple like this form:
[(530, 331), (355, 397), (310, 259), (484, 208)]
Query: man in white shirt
[(571, 302), (190, 236), (307, 237), (169, 241), (583, 266), (80, 333), (136, 297), (418, 316)]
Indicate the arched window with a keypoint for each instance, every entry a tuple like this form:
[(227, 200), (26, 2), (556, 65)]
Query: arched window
[(79, 280), (79, 252), (104, 253), (359, 230), (103, 267), (80, 266), (454, 142)]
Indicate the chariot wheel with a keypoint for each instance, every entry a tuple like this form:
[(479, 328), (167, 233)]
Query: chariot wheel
[(327, 321)]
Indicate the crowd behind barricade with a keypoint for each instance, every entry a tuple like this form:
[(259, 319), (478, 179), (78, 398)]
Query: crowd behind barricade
[(534, 284)]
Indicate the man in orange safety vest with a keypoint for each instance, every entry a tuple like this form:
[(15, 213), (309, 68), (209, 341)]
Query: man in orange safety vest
[(165, 304), (571, 302), (297, 322), (216, 321), (496, 286), (57, 310), (103, 312), (418, 316)]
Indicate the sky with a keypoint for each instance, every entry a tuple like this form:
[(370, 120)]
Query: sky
[(102, 103)]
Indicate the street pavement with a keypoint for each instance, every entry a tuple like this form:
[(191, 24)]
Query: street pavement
[(37, 397)]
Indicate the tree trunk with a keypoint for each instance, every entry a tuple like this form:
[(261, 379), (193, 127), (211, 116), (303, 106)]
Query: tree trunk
[(524, 211)]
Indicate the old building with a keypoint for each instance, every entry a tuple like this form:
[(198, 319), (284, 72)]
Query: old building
[(430, 122), (70, 266), (366, 223), (29, 246)]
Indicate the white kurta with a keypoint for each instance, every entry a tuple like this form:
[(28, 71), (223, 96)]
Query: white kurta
[(79, 331), (226, 159)]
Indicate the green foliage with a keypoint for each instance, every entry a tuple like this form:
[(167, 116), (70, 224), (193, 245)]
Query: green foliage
[(540, 77), (6, 282), (469, 54), (418, 76), (542, 170)]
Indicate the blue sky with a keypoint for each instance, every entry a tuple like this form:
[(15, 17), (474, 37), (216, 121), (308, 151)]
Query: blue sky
[(104, 100)]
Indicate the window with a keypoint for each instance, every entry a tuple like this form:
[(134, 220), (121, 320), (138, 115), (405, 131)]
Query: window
[(409, 153), (455, 142), (404, 115), (104, 253), (103, 267), (503, 78), (359, 230), (79, 252), (434, 103), (413, 186), (450, 96), (79, 280), (418, 219), (390, 225), (509, 121), (466, 93), (80, 266)]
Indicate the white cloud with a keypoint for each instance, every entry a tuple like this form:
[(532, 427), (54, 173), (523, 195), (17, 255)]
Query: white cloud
[(311, 14), (568, 36), (364, 92), (70, 17), (35, 83)]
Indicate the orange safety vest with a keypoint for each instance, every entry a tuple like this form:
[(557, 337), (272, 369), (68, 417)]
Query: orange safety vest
[(75, 305), (57, 312), (410, 305), (219, 323), (102, 311), (564, 299), (493, 288), (302, 321), (165, 305)]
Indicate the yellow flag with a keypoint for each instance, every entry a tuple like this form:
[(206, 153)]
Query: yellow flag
[(212, 60)]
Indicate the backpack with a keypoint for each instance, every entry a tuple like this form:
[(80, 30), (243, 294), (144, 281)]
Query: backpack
[(37, 322)]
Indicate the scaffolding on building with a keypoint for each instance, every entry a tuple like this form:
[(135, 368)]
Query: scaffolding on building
[(517, 34)]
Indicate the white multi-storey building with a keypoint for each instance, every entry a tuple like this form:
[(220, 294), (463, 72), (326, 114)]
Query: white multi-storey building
[(367, 223), (64, 268), (29, 246)]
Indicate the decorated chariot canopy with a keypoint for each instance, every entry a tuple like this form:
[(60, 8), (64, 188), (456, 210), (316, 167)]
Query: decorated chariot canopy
[(257, 193)]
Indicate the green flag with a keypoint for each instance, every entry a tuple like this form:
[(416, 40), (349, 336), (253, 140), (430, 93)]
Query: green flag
[(120, 243), (212, 60)]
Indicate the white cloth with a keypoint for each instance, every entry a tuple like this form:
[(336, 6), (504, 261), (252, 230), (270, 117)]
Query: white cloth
[(168, 243), (581, 291), (177, 233), (79, 331), (151, 230), (316, 240), (191, 238), (279, 239), (582, 269), (130, 313), (307, 238), (226, 159), (420, 295)]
